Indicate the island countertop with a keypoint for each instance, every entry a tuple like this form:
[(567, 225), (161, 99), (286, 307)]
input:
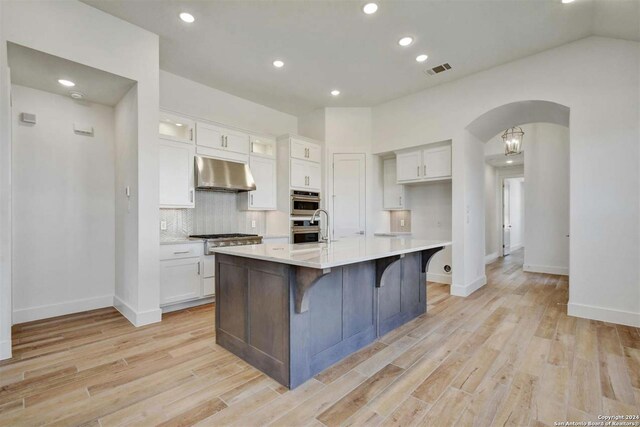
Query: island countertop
[(341, 252)]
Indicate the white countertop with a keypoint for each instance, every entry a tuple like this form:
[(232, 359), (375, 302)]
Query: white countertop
[(342, 252)]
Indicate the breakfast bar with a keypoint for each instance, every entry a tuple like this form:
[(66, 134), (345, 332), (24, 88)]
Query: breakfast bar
[(294, 310)]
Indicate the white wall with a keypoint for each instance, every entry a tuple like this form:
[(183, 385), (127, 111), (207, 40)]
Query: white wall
[(516, 212), (605, 205), (113, 45), (126, 208), (63, 204), (5, 199), (430, 206), (188, 97), (492, 240), (546, 176)]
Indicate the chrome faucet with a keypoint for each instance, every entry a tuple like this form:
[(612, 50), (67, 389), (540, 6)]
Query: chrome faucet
[(324, 237)]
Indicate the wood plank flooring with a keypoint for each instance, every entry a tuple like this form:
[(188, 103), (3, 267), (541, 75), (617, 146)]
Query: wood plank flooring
[(507, 355)]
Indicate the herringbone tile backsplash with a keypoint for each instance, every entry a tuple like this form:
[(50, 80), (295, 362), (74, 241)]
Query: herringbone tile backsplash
[(215, 212)]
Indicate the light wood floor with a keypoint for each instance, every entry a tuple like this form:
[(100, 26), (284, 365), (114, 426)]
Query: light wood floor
[(507, 355)]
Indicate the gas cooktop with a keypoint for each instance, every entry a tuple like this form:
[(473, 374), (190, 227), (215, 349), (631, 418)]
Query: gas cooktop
[(231, 239)]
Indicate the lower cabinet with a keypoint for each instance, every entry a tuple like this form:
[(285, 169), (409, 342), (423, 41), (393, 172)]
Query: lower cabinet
[(186, 274), (179, 280)]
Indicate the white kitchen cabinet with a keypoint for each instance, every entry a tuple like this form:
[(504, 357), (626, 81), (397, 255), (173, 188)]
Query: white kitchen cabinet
[(262, 146), (222, 139), (393, 193), (176, 128), (176, 163), (305, 150), (208, 275), (305, 175), (408, 166), (436, 162), (265, 196), (180, 280), (427, 164)]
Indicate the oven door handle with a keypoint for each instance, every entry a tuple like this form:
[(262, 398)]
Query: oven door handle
[(305, 199)]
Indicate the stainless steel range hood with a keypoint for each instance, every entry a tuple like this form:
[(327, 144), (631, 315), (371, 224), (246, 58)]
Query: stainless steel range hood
[(223, 175)]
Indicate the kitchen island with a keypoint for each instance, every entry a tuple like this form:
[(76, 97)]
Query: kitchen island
[(294, 310)]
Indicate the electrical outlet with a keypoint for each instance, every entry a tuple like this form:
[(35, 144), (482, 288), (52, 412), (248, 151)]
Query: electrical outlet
[(253, 223), (402, 223), (163, 225)]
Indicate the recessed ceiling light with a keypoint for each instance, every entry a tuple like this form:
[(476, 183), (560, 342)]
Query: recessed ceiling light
[(179, 124), (187, 17), (405, 41), (509, 161), (335, 92), (370, 8), (567, 1), (421, 58), (67, 83), (278, 64), (76, 95)]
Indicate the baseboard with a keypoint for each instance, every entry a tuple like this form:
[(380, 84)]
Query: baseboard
[(604, 314), (5, 349), (188, 304), (549, 269), (137, 318), (466, 290), (488, 259), (439, 278), (52, 310)]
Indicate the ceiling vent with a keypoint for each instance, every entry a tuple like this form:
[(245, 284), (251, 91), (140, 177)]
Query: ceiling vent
[(438, 69)]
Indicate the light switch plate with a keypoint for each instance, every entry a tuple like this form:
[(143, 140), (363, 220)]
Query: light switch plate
[(253, 223), (163, 225)]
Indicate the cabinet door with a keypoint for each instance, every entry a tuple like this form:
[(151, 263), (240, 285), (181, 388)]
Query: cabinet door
[(393, 193), (176, 175), (264, 174), (436, 162), (315, 176), (208, 276), (176, 128), (408, 166), (236, 141), (210, 136), (299, 176), (179, 280), (305, 150)]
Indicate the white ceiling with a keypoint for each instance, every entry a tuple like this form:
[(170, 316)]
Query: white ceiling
[(39, 70), (500, 160), (332, 44)]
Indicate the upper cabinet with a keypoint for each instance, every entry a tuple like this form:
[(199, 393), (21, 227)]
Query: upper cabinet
[(429, 164), (176, 128), (305, 150), (222, 138), (305, 175), (393, 193), (264, 197), (262, 146), (176, 163)]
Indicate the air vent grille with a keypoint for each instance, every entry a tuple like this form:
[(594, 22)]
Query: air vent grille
[(438, 69)]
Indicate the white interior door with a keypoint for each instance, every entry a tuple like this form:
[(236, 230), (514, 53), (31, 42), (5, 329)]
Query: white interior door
[(349, 198), (506, 219)]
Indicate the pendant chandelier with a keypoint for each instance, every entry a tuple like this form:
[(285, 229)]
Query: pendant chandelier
[(512, 141)]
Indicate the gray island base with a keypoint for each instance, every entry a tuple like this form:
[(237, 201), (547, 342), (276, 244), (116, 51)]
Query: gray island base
[(293, 312)]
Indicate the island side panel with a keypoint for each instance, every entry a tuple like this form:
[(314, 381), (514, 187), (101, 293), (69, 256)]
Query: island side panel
[(401, 295), (252, 312), (341, 319)]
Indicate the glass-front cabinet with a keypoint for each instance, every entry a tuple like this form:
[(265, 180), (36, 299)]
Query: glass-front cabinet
[(176, 128), (263, 146)]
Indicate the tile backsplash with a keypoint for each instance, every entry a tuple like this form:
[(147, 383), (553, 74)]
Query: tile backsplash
[(215, 212), (400, 221)]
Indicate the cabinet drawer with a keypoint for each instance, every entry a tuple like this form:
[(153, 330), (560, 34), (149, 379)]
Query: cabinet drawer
[(209, 268), (181, 250)]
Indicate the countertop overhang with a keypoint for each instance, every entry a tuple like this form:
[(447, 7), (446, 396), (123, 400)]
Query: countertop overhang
[(341, 252)]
